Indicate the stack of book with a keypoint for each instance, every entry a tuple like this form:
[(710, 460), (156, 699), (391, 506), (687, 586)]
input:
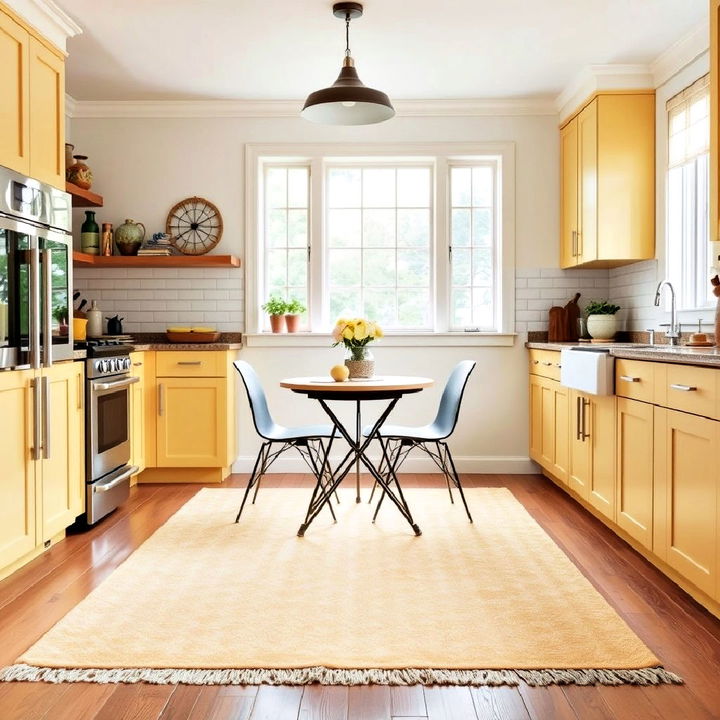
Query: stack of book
[(160, 245)]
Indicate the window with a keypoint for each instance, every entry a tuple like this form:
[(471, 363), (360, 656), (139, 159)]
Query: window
[(688, 248), (417, 241)]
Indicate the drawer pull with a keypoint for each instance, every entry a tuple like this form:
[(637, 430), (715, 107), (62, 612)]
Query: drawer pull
[(536, 362), (683, 388), (547, 363), (137, 364), (628, 378), (188, 362)]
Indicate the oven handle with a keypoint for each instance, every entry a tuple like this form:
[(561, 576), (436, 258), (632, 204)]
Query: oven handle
[(98, 487), (117, 384)]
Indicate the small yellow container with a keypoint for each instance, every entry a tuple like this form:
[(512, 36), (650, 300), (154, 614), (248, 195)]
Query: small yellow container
[(80, 329)]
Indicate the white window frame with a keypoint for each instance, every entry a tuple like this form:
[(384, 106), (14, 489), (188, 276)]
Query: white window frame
[(443, 155)]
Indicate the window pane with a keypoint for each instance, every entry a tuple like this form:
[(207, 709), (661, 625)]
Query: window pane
[(344, 268), (482, 267), (344, 228), (297, 228), (482, 227), (413, 268), (413, 309), (277, 268), (344, 187), (277, 228), (482, 187), (379, 187), (460, 228), (461, 307), (413, 187), (379, 268), (413, 228), (482, 307), (378, 228), (298, 187), (460, 185), (380, 306), (276, 188), (345, 303), (297, 267), (461, 263)]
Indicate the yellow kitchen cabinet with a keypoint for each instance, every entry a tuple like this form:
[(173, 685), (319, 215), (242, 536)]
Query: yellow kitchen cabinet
[(18, 521), (592, 450), (192, 422), (607, 165), (47, 115), (635, 467), (686, 496), (14, 108), (137, 411), (549, 426), (62, 463)]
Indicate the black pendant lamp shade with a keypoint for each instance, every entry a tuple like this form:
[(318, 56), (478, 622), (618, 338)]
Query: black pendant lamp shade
[(347, 101)]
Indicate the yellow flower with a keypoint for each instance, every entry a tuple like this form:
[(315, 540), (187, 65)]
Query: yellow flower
[(361, 330), (378, 331), (349, 331)]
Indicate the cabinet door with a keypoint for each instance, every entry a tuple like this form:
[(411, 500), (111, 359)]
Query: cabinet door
[(581, 433), (192, 422), (586, 246), (635, 469), (17, 479), (47, 115), (14, 135), (687, 496), (137, 412), (561, 434), (536, 419), (63, 480), (602, 412), (568, 194)]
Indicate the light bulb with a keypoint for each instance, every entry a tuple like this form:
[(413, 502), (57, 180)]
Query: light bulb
[(349, 104)]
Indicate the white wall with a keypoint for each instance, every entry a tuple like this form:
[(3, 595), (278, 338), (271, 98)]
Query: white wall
[(143, 166)]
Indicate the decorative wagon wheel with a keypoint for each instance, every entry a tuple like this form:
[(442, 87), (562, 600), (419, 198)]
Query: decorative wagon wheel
[(195, 225)]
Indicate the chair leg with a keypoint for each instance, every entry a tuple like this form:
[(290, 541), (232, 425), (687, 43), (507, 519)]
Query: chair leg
[(260, 457), (456, 479), (261, 474), (446, 472)]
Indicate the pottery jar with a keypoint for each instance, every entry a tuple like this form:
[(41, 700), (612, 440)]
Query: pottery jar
[(129, 237)]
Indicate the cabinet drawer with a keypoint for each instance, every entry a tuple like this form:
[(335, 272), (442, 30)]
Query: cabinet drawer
[(635, 379), (687, 388), (545, 363), (191, 363)]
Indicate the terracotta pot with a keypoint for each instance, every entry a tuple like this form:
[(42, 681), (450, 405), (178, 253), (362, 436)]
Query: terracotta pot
[(277, 323), (292, 322)]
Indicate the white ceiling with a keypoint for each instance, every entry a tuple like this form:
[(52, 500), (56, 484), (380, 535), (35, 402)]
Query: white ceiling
[(426, 49)]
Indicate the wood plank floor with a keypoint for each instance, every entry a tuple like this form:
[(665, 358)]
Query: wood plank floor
[(686, 637)]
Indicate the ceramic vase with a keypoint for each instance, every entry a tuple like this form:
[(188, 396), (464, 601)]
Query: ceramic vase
[(602, 327), (129, 237)]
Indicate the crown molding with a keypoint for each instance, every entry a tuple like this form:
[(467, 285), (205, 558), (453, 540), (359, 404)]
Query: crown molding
[(680, 54), (291, 108), (48, 19), (595, 78)]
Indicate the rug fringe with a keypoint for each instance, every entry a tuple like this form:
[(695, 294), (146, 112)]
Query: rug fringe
[(329, 676)]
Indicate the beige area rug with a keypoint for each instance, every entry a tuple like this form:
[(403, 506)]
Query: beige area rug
[(205, 601)]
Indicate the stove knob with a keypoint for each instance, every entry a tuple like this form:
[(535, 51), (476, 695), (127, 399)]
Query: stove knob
[(126, 363), (113, 363), (106, 366), (100, 366)]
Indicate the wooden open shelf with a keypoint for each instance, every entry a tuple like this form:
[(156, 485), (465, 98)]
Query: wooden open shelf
[(81, 259), (83, 198)]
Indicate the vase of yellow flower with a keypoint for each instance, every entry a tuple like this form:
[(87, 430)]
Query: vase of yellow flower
[(355, 335)]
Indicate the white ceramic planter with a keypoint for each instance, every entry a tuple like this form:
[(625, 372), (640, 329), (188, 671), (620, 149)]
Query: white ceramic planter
[(602, 327)]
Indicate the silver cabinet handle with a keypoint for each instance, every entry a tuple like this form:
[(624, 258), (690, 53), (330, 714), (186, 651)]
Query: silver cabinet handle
[(161, 399), (37, 413), (584, 404), (189, 362), (47, 318), (546, 363), (574, 243), (578, 412), (536, 362), (683, 388), (578, 235), (46, 416), (34, 303), (628, 378), (117, 384), (115, 481)]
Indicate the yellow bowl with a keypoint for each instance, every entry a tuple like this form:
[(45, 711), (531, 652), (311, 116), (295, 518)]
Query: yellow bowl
[(80, 329)]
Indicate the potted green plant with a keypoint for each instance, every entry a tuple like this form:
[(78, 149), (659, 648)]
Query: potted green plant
[(293, 310), (601, 320), (275, 307)]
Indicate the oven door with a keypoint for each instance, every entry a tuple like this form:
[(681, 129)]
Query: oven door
[(108, 425)]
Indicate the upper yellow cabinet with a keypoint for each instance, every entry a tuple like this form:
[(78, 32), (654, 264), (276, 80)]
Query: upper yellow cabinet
[(32, 112), (607, 184)]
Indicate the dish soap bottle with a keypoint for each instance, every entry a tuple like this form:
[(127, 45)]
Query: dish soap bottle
[(95, 321), (90, 234)]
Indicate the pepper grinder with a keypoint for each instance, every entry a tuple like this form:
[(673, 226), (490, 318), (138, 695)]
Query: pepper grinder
[(95, 321)]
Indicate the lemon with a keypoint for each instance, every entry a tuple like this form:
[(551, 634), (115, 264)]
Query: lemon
[(339, 373)]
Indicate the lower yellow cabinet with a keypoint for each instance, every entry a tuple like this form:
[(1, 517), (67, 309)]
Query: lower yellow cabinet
[(137, 411), (549, 425), (192, 422), (634, 511), (687, 495)]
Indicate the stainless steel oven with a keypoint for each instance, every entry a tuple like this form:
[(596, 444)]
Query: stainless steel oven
[(108, 430)]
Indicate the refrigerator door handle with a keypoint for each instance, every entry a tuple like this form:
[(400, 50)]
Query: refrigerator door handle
[(34, 308), (47, 299)]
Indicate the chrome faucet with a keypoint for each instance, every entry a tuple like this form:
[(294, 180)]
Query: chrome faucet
[(673, 333)]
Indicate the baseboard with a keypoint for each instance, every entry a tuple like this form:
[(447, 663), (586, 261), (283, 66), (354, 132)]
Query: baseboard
[(484, 464)]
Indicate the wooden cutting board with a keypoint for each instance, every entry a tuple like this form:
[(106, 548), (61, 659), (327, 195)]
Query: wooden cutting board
[(572, 314)]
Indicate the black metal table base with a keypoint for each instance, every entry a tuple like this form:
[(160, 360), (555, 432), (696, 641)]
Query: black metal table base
[(356, 455)]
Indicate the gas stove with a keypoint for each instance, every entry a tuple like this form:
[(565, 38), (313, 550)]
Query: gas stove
[(101, 347)]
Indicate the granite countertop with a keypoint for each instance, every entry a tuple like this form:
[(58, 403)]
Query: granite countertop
[(709, 356), (79, 354), (168, 346)]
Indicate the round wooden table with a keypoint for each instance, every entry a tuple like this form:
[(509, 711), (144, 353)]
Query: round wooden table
[(324, 390)]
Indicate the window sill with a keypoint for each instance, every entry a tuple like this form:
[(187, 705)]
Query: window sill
[(394, 340)]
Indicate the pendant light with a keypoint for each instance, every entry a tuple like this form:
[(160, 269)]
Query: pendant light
[(347, 101)]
